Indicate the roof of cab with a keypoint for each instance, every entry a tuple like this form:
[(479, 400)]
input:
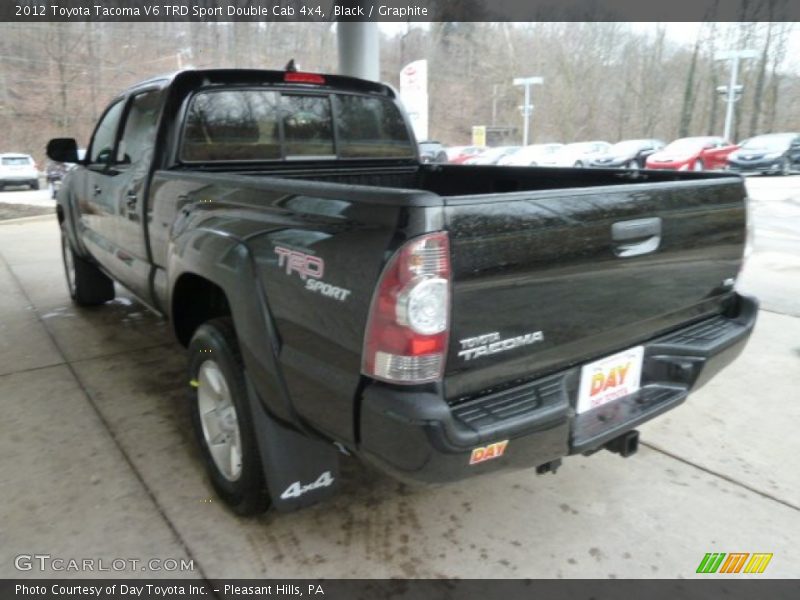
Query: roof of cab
[(201, 77)]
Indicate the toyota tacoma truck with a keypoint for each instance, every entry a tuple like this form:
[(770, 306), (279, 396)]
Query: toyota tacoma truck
[(337, 296)]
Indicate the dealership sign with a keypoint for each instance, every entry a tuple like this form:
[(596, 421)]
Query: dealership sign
[(414, 94)]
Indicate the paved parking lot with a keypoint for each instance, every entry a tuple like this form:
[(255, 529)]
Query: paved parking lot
[(98, 458)]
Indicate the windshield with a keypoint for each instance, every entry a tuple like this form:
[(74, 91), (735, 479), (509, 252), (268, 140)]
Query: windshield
[(687, 145), (493, 153), (261, 124), (775, 143), (627, 147), (581, 147), (536, 150)]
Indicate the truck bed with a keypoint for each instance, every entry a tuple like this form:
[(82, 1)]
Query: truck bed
[(532, 249)]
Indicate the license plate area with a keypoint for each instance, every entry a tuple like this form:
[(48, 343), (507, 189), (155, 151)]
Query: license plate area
[(610, 378)]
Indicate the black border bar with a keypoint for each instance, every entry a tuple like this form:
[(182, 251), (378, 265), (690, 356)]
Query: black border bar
[(398, 10), (708, 588)]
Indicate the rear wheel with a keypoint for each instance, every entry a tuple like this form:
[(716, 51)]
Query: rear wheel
[(87, 285), (34, 185), (221, 418), (578, 165), (786, 166)]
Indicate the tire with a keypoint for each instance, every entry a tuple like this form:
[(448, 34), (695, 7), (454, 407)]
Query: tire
[(87, 285), (220, 411), (698, 165), (578, 165), (34, 185), (786, 166)]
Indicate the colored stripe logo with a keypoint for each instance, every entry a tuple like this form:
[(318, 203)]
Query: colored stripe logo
[(734, 562)]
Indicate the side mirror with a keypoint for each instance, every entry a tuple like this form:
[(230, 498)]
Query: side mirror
[(64, 150)]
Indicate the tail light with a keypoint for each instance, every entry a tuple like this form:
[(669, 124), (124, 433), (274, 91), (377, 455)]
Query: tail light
[(298, 77), (409, 320), (749, 236)]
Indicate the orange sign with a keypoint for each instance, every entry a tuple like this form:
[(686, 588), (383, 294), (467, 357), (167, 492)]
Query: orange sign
[(484, 453), (613, 378)]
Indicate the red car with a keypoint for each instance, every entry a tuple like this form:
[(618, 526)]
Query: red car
[(693, 154), (458, 154)]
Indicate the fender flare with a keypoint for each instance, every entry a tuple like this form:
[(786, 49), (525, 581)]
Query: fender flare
[(226, 261)]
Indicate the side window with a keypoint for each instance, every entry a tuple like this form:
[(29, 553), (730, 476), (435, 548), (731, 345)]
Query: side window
[(139, 133), (307, 125), (105, 135)]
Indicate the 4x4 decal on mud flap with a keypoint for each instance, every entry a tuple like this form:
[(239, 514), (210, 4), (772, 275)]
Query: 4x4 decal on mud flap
[(311, 269), (297, 489)]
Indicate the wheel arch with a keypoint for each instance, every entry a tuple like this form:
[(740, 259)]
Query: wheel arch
[(195, 299)]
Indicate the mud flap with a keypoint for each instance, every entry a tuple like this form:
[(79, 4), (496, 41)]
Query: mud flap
[(299, 470)]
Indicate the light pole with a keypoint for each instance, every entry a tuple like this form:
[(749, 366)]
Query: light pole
[(735, 56), (527, 108)]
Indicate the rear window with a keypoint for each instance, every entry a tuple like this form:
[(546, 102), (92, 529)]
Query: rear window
[(240, 125), (16, 161), (255, 125), (371, 128), (307, 126)]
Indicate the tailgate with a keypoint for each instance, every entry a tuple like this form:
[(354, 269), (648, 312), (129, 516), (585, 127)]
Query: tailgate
[(545, 280)]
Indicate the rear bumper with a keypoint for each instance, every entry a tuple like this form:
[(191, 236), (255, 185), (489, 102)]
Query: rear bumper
[(668, 166), (612, 164), (760, 166), (18, 179), (416, 435)]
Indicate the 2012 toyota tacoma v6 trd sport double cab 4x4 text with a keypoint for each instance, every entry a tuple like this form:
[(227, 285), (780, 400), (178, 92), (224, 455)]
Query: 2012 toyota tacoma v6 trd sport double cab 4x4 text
[(338, 296)]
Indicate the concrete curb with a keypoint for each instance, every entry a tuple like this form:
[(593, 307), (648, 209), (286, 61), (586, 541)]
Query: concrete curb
[(21, 220)]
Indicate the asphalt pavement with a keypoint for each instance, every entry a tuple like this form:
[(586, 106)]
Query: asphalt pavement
[(98, 460)]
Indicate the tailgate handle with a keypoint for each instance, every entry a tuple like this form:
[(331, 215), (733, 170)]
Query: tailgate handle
[(636, 237)]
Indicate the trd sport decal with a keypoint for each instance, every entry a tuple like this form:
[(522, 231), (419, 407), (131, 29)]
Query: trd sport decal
[(311, 269), (484, 453)]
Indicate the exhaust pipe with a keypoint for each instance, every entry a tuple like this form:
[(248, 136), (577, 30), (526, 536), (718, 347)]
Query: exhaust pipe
[(625, 445)]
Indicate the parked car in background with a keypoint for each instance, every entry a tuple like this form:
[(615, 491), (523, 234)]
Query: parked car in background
[(432, 152), (579, 154), (631, 154), (769, 153), (491, 156), (530, 156), (456, 155), (18, 169), (705, 153)]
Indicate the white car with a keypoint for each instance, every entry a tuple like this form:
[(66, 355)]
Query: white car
[(18, 169), (530, 156), (580, 154)]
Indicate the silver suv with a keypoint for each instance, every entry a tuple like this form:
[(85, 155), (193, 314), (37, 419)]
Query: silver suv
[(18, 169)]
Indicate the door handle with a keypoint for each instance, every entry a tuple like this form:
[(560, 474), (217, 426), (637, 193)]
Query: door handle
[(636, 237), (97, 191), (131, 199)]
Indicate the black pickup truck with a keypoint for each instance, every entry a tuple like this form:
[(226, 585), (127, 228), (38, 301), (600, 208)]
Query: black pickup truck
[(339, 297)]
